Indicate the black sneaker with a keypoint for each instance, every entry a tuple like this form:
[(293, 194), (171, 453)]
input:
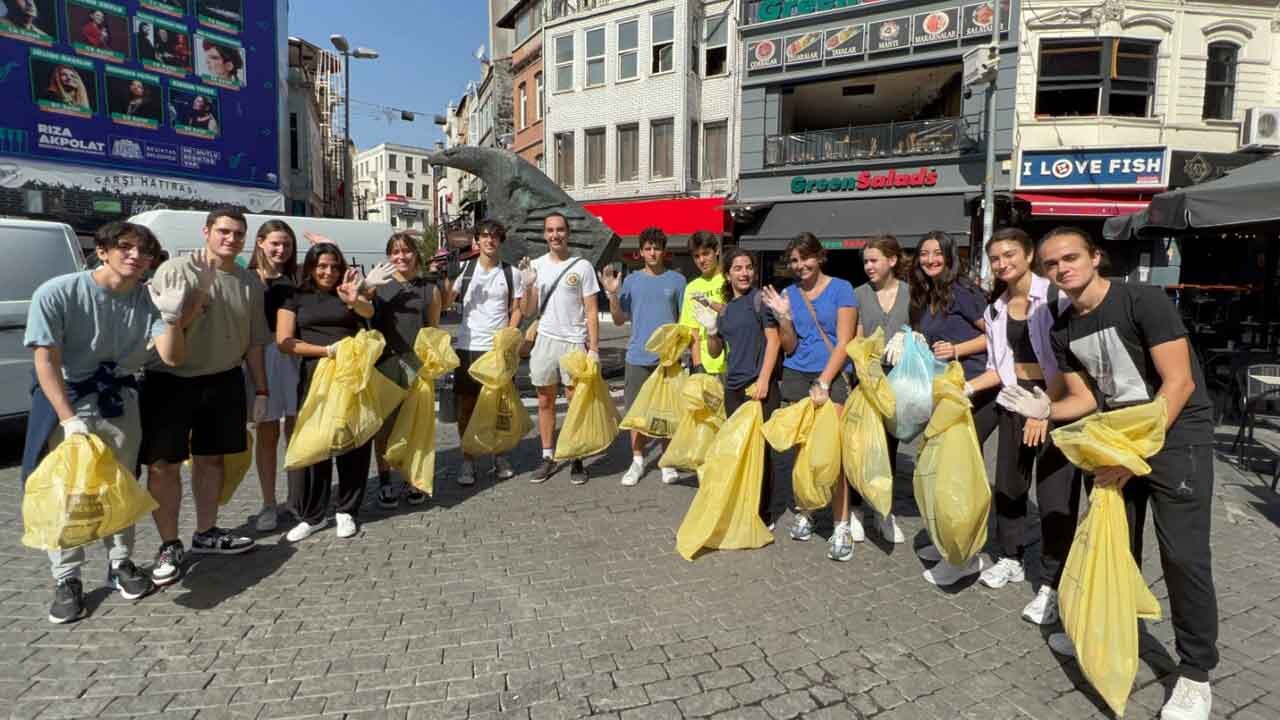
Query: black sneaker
[(216, 541), (578, 473), (169, 563), (130, 581), (68, 602), (415, 496), (544, 471), (387, 498)]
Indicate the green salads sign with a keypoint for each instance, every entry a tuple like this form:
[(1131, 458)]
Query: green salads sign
[(866, 180), (767, 10)]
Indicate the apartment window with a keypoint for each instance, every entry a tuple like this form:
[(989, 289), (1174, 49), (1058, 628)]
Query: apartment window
[(527, 22), (537, 79), (628, 54), (426, 167), (522, 107), (564, 63), (716, 51), (595, 57), (1220, 81), (393, 221), (662, 42), (691, 169), (564, 159), (715, 150), (595, 156), (293, 140), (391, 185), (408, 190), (1105, 76), (661, 148), (628, 153), (391, 161)]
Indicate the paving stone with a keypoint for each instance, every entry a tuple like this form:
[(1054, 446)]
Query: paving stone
[(639, 675), (706, 704), (618, 699)]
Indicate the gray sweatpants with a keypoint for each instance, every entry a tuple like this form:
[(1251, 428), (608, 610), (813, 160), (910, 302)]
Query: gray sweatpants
[(123, 435)]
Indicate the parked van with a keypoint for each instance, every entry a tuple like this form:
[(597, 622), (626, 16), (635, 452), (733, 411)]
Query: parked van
[(36, 251), (363, 242)]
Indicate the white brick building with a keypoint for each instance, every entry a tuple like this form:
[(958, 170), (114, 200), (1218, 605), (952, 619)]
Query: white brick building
[(393, 184), (640, 98)]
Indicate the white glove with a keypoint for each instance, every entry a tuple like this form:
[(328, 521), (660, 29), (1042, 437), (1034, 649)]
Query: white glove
[(893, 350), (331, 350), (594, 356), (706, 317), (205, 271), (969, 390), (74, 426), (380, 275), (168, 294), (259, 408), (1033, 404), (528, 275)]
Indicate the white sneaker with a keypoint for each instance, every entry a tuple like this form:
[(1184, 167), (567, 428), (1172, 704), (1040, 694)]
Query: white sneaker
[(1062, 645), (670, 475), (856, 531), (1043, 609), (944, 573), (502, 468), (1190, 700), (890, 531), (346, 525), (1005, 571), (467, 475), (632, 476), (266, 520), (929, 553), (302, 531)]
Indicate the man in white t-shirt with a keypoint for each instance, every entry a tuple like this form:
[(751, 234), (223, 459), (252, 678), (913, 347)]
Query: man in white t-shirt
[(566, 287), (487, 292)]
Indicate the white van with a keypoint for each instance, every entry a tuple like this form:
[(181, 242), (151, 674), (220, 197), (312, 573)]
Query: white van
[(37, 251), (363, 242)]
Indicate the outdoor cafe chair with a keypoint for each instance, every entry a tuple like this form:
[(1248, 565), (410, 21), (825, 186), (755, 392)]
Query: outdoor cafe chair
[(1261, 405)]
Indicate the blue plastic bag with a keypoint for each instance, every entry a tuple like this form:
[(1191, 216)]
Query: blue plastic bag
[(912, 383)]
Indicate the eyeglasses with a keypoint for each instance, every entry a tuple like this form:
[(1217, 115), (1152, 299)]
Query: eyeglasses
[(126, 248)]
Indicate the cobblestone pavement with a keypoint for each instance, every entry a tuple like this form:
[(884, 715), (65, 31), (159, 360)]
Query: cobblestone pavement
[(513, 600)]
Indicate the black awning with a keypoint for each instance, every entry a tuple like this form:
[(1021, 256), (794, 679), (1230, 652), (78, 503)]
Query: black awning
[(908, 218), (1245, 196)]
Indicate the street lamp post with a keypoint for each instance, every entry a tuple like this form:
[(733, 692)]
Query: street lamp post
[(344, 48), (989, 181)]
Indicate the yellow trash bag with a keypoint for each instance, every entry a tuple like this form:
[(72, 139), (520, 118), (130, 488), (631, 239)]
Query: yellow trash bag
[(591, 423), (817, 432), (703, 399), (234, 468), (656, 410), (80, 493), (411, 447), (1102, 595), (1125, 438), (863, 442), (950, 482), (499, 420), (346, 404), (725, 513)]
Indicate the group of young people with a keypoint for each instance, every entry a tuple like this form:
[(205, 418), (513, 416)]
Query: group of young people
[(150, 367)]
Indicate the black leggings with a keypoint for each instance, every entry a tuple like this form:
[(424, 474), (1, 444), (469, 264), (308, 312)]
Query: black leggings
[(1057, 495), (310, 488), (775, 497)]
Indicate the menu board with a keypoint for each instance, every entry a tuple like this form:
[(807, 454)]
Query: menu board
[(976, 19), (847, 41), (804, 48), (889, 34), (934, 27), (764, 54)]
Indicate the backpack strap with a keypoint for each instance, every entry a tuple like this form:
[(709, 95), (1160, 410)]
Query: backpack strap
[(1054, 297), (464, 280), (511, 288)]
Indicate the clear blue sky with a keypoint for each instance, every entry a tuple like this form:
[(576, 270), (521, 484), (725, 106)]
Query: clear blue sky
[(427, 55)]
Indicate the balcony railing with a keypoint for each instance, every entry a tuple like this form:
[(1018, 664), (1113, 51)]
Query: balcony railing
[(556, 9), (859, 142)]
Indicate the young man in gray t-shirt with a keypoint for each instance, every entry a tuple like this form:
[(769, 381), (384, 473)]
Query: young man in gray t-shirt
[(90, 333)]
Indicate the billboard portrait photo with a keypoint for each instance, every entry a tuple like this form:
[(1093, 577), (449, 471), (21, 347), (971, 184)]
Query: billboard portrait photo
[(98, 29), (63, 84), (175, 8), (163, 45), (193, 110), (32, 21), (134, 98), (224, 15), (222, 61)]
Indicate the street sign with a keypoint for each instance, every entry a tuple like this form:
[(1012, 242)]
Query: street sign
[(980, 65)]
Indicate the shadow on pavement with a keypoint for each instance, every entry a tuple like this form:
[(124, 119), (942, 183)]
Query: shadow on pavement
[(210, 581)]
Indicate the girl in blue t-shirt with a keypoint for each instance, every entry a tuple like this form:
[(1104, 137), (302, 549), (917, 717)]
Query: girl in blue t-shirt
[(817, 317)]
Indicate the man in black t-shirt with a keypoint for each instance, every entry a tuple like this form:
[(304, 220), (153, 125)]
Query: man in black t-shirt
[(1122, 345)]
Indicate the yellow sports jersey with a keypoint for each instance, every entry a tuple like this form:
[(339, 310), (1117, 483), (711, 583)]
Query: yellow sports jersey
[(712, 289)]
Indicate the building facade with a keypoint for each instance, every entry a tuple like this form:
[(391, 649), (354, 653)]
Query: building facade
[(313, 181), (393, 184), (856, 121), (524, 19), (640, 123), (1128, 98)]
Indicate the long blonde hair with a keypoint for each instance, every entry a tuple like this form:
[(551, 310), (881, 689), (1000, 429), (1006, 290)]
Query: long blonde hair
[(74, 93)]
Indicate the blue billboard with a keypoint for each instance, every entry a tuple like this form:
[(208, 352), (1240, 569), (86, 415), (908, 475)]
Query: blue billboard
[(179, 88), (1090, 169)]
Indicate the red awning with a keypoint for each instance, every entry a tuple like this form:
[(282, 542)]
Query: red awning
[(1085, 205), (680, 216)]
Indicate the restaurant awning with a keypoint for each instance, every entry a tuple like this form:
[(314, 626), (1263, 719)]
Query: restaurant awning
[(1245, 196), (676, 216), (1084, 205), (845, 223)]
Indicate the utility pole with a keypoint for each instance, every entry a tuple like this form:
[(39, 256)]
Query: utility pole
[(340, 43), (989, 182)]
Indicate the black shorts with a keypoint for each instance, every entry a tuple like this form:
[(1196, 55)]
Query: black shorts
[(795, 386), (463, 384), (635, 376), (185, 416)]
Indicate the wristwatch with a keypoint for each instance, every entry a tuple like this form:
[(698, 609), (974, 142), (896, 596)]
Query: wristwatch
[(826, 387)]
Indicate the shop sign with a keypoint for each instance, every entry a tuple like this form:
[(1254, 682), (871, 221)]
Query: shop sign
[(767, 10), (865, 180), (804, 48), (977, 18), (844, 244), (108, 207), (934, 27), (764, 54), (1192, 168), (889, 34), (845, 41), (1091, 169), (396, 199)]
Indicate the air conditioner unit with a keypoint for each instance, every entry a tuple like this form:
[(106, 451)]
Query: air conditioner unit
[(1261, 129)]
